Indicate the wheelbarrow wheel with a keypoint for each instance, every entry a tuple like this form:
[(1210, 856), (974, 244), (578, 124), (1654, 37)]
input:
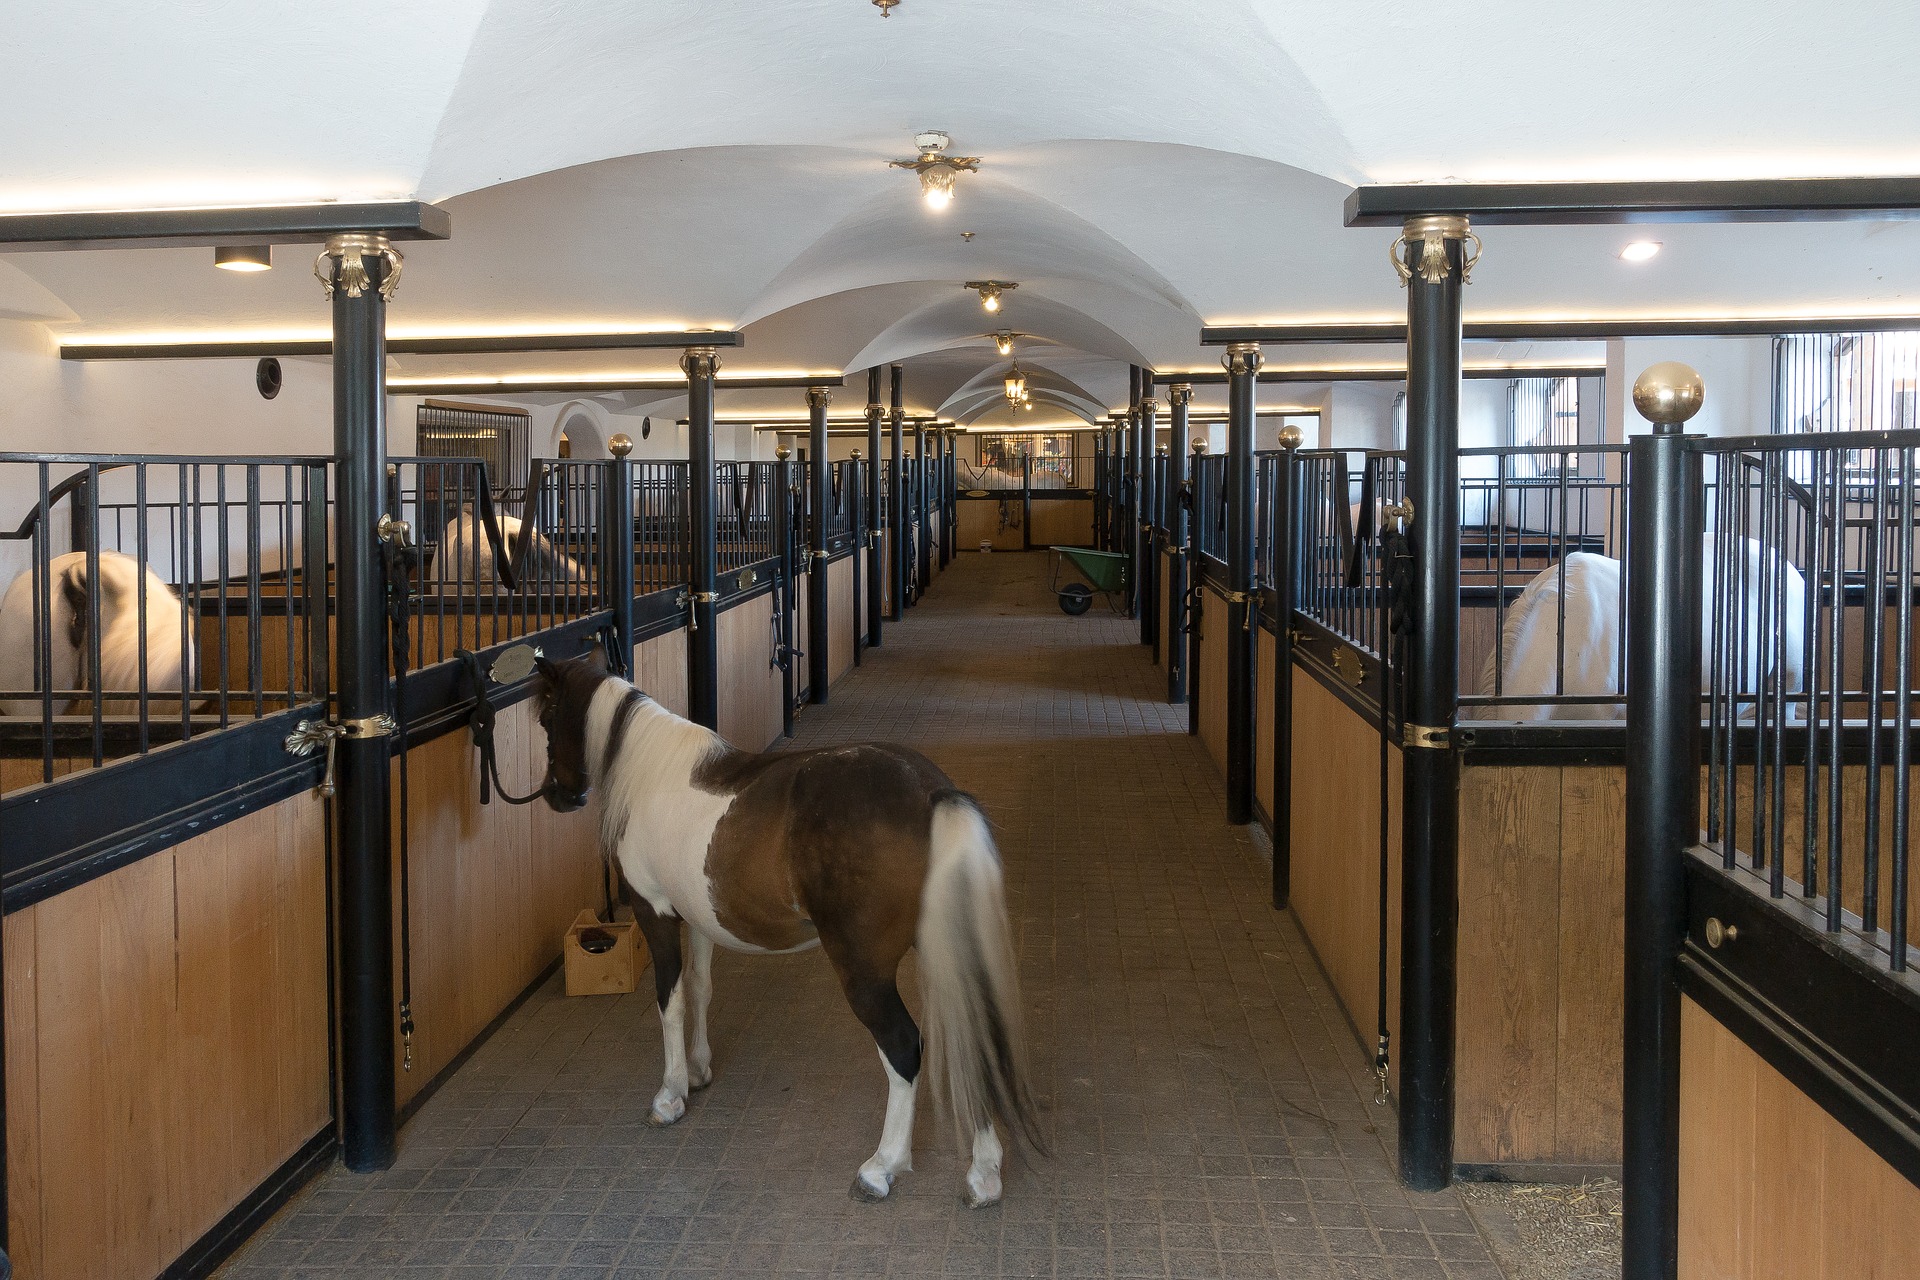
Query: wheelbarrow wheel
[(1075, 599)]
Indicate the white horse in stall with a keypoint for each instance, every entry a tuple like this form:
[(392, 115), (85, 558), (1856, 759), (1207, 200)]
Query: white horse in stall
[(1533, 641), (468, 555), (66, 610)]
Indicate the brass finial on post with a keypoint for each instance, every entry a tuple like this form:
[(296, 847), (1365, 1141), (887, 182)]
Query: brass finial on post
[(782, 453), (1668, 394), (1291, 437), (621, 445)]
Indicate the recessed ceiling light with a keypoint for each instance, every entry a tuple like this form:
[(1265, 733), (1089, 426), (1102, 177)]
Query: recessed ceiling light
[(244, 258), (1640, 250)]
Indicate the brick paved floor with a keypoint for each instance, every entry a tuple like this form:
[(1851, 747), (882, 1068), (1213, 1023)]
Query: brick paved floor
[(1208, 1102)]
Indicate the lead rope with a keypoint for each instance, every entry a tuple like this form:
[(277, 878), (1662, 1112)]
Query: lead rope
[(1396, 575), (394, 556)]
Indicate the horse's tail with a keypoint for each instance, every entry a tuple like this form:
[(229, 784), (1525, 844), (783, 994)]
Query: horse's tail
[(975, 1050)]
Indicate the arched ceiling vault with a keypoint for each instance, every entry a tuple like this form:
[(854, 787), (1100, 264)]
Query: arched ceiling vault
[(1147, 166)]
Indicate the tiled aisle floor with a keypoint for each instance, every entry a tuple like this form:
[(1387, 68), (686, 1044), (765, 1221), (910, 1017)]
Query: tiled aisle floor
[(1207, 1101)]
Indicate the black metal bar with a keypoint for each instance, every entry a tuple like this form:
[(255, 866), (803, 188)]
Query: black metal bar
[(819, 624), (1243, 364), (1149, 579), (469, 344), (783, 549), (1663, 771), (1867, 199), (922, 512), (1179, 397), (1026, 502), (1545, 330), (1281, 550), (364, 808), (616, 550), (240, 225), (897, 496), (1430, 799), (703, 648), (876, 585)]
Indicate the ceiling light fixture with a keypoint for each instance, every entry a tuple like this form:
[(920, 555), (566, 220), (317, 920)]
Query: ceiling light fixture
[(990, 291), (244, 258), (936, 169), (886, 7), (1640, 250), (1016, 386), (1003, 341)]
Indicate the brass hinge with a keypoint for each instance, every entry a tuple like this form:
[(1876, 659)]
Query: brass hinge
[(1432, 737)]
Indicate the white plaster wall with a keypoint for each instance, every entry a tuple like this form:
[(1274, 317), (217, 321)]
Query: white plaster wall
[(1738, 373)]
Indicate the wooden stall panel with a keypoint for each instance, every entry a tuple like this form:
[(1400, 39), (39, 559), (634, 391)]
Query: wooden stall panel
[(1061, 522), (1335, 829), (840, 610), (166, 1044), (1168, 626), (1213, 677), (660, 670), (1771, 1186), (1538, 1032), (1507, 1033), (995, 522), (493, 887), (750, 685)]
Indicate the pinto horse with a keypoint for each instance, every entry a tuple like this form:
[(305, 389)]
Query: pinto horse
[(863, 850)]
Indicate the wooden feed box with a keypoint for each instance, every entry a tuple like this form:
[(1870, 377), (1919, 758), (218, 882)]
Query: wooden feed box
[(613, 972)]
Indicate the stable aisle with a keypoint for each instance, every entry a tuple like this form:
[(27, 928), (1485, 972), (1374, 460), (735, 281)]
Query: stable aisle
[(1208, 1104)]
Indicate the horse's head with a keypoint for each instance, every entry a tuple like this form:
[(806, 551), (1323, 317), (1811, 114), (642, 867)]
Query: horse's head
[(563, 691)]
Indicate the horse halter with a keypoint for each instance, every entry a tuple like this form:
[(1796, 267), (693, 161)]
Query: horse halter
[(480, 722)]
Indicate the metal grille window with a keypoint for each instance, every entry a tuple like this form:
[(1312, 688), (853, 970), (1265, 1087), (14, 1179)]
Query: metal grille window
[(1055, 459), (494, 434), (1545, 413), (1825, 382)]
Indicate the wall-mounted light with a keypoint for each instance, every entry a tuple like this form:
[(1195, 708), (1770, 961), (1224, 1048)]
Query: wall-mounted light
[(255, 257), (990, 291), (935, 168), (1003, 341), (1640, 250)]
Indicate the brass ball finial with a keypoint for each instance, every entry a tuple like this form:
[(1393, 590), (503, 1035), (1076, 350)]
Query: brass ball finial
[(1199, 447), (1291, 436), (1165, 450), (1669, 393), (856, 455), (620, 445), (782, 453)]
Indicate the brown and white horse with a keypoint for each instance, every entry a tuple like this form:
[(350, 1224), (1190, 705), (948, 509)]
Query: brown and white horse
[(864, 850)]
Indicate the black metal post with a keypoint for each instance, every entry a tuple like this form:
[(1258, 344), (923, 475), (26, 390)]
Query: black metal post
[(856, 508), (1284, 551), (1665, 515), (1179, 397), (1026, 502), (897, 498), (616, 550), (1099, 488), (819, 624), (1146, 598), (1130, 529), (952, 525), (785, 504), (943, 491), (1193, 616), (360, 281), (703, 643), (922, 510), (876, 586), (1430, 794), (1243, 369)]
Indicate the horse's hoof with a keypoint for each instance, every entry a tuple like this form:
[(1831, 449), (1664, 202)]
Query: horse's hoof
[(864, 1192), (980, 1197), (666, 1111)]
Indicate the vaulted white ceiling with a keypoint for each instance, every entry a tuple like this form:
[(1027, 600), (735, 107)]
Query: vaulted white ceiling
[(1149, 165)]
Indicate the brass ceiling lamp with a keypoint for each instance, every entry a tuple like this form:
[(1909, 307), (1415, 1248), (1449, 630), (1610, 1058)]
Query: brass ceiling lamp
[(1016, 387), (886, 7), (990, 291), (1003, 341), (935, 167)]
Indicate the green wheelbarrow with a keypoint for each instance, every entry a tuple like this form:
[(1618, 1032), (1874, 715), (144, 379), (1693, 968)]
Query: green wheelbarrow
[(1106, 571)]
